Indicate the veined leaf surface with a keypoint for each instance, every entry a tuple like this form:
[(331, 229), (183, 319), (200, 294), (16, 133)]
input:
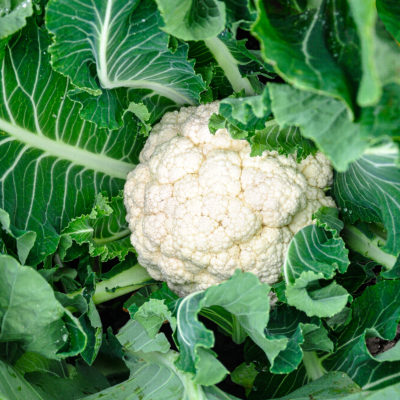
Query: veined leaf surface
[(123, 43), (370, 191), (52, 163)]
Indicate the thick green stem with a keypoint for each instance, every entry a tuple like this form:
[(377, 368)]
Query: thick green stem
[(122, 283), (370, 247), (229, 65), (313, 365)]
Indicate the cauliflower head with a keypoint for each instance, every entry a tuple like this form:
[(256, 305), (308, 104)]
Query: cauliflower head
[(199, 206)]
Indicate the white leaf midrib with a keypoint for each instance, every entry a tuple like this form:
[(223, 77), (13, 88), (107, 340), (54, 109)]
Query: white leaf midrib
[(171, 93), (77, 156)]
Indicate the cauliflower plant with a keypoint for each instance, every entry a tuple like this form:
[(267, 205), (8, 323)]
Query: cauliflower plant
[(199, 206)]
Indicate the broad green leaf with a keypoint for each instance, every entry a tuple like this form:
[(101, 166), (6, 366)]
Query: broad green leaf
[(322, 119), (104, 229), (379, 53), (375, 313), (383, 120), (241, 292), (31, 315), (389, 11), (333, 386), (303, 334), (370, 191), (317, 252), (13, 14), (331, 47), (268, 385), (296, 44), (63, 161), (74, 384), (24, 239), (108, 45), (154, 375), (192, 20), (364, 14), (13, 386)]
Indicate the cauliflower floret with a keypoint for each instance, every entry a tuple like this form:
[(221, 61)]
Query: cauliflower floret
[(199, 207)]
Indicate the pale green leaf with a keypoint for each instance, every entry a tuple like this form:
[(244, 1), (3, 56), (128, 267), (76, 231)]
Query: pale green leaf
[(191, 19), (13, 14), (31, 315)]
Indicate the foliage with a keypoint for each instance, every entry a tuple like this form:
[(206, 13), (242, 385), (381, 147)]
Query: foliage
[(81, 85)]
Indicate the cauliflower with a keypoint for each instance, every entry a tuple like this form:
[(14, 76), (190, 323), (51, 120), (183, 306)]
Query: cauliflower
[(199, 206)]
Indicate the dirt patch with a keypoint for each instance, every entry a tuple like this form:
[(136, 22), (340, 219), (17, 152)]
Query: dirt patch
[(376, 345)]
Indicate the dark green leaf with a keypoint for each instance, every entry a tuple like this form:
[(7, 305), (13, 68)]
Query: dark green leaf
[(389, 11), (295, 44), (375, 313), (63, 161)]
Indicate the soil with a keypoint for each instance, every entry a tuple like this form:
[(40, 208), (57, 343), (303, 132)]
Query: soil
[(377, 345)]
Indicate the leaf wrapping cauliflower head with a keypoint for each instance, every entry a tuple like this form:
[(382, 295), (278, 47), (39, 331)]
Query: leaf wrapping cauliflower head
[(199, 206)]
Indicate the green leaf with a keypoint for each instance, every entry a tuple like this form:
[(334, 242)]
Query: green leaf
[(333, 386), (93, 328), (24, 239), (285, 141), (63, 161), (322, 119), (13, 16), (317, 252), (388, 11), (303, 334), (104, 229), (192, 20), (370, 191), (109, 45), (241, 292), (333, 48), (244, 375), (295, 43), (148, 355), (31, 315), (249, 63), (249, 118), (13, 386), (382, 121), (240, 13), (246, 113), (268, 385), (379, 53), (375, 313), (77, 384)]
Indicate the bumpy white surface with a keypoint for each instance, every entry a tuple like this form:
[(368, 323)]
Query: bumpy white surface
[(199, 206)]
